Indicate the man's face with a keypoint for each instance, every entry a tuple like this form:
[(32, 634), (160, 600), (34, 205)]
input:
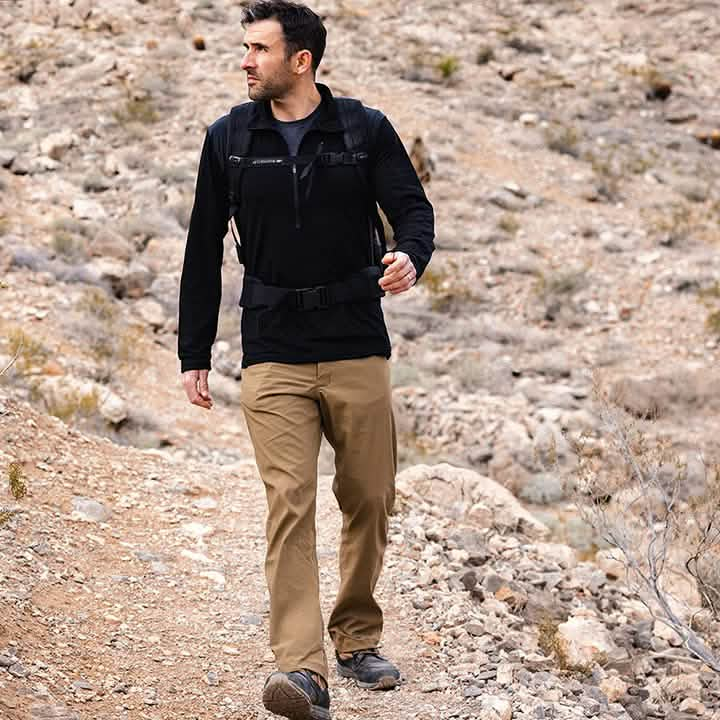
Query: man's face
[(269, 72)]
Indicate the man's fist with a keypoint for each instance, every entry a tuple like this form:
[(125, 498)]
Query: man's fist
[(195, 383), (399, 274)]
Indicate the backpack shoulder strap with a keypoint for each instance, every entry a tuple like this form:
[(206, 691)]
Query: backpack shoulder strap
[(237, 146), (356, 127), (238, 137)]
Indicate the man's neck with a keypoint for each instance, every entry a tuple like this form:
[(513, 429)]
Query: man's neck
[(297, 105)]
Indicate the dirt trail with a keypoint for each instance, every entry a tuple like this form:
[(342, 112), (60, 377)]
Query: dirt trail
[(161, 610)]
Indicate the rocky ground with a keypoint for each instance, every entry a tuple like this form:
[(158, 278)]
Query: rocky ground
[(572, 153)]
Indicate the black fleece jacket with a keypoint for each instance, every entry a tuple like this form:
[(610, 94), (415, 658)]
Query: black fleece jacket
[(296, 240)]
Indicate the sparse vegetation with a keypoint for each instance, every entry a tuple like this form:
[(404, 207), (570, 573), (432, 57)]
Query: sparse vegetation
[(69, 246), (446, 287), (672, 226), (85, 404), (30, 354), (509, 224), (4, 225), (712, 323), (609, 173), (137, 110), (448, 66), (563, 139), (640, 506), (98, 325), (485, 54), (18, 488), (562, 282)]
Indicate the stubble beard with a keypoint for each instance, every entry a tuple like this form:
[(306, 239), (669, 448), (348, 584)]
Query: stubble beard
[(272, 88)]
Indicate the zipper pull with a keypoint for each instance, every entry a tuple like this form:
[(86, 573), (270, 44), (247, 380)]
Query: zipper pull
[(296, 196)]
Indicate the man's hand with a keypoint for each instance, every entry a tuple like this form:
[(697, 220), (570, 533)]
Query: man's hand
[(195, 383), (399, 274)]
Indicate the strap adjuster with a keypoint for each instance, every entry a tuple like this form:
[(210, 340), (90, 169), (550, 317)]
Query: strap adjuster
[(312, 298)]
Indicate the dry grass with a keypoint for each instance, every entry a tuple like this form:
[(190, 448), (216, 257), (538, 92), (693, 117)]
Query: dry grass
[(563, 139), (84, 405), (18, 488), (137, 110), (31, 353)]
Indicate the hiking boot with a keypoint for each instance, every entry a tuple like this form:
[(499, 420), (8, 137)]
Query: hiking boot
[(297, 696), (369, 670)]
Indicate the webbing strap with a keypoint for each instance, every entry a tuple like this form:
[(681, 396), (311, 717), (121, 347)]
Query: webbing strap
[(361, 285)]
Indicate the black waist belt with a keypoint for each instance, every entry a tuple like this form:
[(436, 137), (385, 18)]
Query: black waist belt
[(362, 285)]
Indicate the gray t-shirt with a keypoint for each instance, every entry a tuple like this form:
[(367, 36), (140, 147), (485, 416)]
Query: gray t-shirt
[(294, 130)]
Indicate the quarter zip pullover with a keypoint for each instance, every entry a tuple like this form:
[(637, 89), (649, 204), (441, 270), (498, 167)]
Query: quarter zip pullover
[(294, 237)]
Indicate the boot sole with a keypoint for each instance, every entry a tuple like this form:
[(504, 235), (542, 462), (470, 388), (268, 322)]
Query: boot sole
[(282, 697), (386, 682)]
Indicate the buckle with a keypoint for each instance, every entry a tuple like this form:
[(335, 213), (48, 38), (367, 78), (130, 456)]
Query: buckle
[(312, 298)]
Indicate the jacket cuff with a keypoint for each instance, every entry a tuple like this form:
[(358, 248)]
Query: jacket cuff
[(417, 262), (194, 364)]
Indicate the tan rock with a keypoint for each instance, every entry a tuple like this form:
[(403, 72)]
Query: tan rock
[(57, 144), (496, 708), (685, 686), (151, 312), (465, 494), (613, 688), (585, 640), (610, 562), (692, 707)]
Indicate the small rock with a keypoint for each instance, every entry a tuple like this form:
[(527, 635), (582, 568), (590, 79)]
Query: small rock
[(692, 707), (585, 639), (6, 157), (250, 620), (505, 673), (205, 503), (686, 686), (495, 707), (57, 144), (508, 201), (613, 688), (7, 661), (475, 629), (21, 165), (196, 530), (212, 678), (112, 407), (83, 685), (89, 510), (18, 670), (88, 209), (473, 691), (151, 312)]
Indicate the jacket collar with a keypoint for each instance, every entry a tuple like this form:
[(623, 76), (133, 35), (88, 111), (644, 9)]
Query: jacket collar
[(327, 120)]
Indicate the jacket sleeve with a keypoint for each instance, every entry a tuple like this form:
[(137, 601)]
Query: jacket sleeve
[(402, 197), (201, 279)]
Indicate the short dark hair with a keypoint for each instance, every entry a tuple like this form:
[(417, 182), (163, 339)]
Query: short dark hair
[(302, 28)]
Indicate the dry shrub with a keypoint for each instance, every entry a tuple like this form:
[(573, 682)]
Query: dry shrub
[(636, 506)]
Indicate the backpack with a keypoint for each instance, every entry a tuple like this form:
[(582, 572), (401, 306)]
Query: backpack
[(354, 121)]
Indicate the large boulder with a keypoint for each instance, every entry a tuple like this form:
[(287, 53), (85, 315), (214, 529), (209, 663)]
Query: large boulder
[(449, 491)]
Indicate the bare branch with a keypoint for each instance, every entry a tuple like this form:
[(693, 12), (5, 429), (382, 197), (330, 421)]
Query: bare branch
[(15, 357)]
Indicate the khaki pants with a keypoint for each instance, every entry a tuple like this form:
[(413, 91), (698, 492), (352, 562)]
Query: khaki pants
[(287, 408)]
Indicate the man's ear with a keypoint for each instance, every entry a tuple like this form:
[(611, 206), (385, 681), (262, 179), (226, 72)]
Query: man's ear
[(303, 62)]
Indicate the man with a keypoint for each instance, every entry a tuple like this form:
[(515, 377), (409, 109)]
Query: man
[(292, 169)]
